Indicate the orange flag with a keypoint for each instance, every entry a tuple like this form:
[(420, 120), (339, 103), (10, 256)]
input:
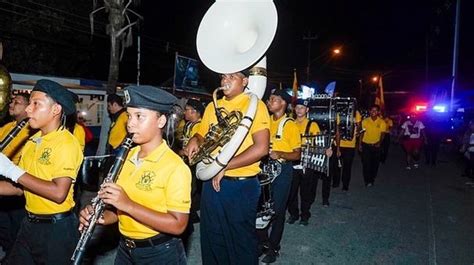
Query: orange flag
[(379, 100), (295, 88)]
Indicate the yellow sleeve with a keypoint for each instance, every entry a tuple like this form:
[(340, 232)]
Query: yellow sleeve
[(80, 135), (314, 129), (67, 159), (291, 134), (262, 119), (194, 129), (118, 131), (383, 126), (358, 117), (178, 190), (206, 120)]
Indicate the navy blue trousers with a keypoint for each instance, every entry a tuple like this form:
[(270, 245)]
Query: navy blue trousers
[(228, 222), (170, 253)]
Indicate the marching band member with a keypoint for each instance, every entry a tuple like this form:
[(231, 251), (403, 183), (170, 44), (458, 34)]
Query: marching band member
[(151, 198), (304, 182), (193, 111), (369, 145), (229, 201), (118, 126), (12, 208), (346, 152), (286, 147), (48, 166)]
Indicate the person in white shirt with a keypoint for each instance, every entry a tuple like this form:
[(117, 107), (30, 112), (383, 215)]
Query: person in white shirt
[(412, 139)]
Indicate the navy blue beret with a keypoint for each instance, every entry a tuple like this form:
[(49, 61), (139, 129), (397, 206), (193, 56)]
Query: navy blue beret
[(281, 93), (58, 93), (301, 101), (196, 104), (149, 97)]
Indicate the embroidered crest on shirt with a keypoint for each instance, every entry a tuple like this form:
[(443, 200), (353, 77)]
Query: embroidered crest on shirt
[(145, 181), (45, 156)]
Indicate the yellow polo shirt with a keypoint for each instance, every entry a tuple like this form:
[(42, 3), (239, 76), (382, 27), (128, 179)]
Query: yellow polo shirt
[(260, 122), (47, 157), (13, 149), (161, 182), (118, 130), (290, 138), (352, 143), (374, 130), (80, 135), (313, 128)]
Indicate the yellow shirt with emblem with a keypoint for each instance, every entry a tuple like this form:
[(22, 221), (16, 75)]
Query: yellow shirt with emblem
[(118, 130), (80, 135), (290, 138), (260, 122), (352, 143), (373, 130), (47, 157), (161, 182), (13, 149)]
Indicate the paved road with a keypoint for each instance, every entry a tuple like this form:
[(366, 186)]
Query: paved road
[(422, 216)]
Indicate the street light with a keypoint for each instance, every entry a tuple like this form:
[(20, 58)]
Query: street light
[(375, 79), (336, 51)]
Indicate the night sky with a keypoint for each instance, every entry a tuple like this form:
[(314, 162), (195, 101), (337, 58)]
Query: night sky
[(410, 43)]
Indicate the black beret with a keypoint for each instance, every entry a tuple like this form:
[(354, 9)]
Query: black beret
[(60, 94), (149, 97), (196, 104), (301, 101), (281, 93)]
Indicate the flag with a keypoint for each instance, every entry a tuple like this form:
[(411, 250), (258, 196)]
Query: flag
[(330, 88), (379, 100), (295, 88)]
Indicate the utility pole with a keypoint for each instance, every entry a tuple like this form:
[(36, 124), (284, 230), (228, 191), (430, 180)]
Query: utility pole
[(455, 53), (309, 37)]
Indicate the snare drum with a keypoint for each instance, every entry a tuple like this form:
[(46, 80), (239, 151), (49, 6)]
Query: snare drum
[(92, 169)]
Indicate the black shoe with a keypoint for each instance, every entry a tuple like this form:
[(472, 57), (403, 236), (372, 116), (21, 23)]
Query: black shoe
[(326, 204), (263, 249), (291, 220), (304, 222), (271, 256), (345, 190)]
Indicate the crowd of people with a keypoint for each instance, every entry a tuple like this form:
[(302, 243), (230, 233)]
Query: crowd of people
[(157, 196)]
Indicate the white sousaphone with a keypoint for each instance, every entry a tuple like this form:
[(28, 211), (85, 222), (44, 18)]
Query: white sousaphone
[(233, 36)]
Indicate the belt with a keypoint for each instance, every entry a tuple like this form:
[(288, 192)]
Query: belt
[(47, 218), (238, 178), (147, 242), (368, 144)]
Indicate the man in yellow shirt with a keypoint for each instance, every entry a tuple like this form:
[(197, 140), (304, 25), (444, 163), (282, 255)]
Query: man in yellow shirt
[(285, 142), (48, 166), (229, 201), (118, 126), (305, 181), (374, 129), (12, 208), (151, 198)]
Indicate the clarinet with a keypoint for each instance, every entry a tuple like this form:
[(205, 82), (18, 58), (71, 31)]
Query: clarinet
[(98, 205), (14, 132)]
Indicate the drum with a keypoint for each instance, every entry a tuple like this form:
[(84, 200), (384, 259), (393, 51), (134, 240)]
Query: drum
[(323, 112), (313, 152), (327, 111), (346, 110), (93, 167)]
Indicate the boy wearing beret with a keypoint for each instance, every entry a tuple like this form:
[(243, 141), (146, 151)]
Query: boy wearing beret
[(151, 197), (285, 148), (48, 166)]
